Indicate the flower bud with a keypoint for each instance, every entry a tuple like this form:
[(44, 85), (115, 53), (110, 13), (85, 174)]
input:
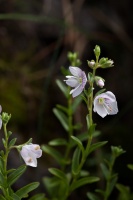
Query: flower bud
[(97, 51), (5, 117), (99, 81), (117, 151), (91, 63), (105, 63)]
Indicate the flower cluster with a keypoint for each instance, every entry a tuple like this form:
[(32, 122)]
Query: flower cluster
[(104, 103)]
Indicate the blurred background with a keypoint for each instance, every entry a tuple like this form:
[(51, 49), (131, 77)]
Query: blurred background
[(35, 37)]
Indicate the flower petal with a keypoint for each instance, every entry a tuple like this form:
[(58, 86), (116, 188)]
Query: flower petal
[(73, 82), (75, 71), (75, 92), (100, 110), (0, 123)]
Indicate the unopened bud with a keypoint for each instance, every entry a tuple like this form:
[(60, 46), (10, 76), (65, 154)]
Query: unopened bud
[(97, 51)]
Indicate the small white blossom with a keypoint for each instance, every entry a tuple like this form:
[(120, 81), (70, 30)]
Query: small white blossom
[(105, 104), (77, 81), (30, 153), (0, 117)]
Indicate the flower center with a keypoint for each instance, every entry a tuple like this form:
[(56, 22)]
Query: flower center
[(37, 147), (29, 160), (80, 80), (101, 100)]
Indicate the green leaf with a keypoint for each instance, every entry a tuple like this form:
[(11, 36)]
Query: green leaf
[(84, 173), (130, 166), (38, 197), (2, 179), (62, 87), (23, 192), (58, 142), (92, 196), (78, 142), (92, 129), (1, 163), (12, 142), (82, 137), (112, 183), (58, 173), (56, 187), (10, 171), (63, 108), (1, 197), (83, 181), (14, 176), (62, 118), (76, 161), (105, 171), (84, 98), (76, 103), (88, 123), (54, 153), (97, 145), (124, 192), (15, 197), (99, 92)]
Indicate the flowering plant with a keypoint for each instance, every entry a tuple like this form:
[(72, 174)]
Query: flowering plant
[(76, 149)]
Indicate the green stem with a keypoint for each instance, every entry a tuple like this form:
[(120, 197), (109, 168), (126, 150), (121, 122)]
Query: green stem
[(5, 190), (85, 154), (107, 192)]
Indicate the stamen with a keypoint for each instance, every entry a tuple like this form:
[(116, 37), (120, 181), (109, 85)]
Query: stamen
[(37, 147), (101, 101), (30, 160)]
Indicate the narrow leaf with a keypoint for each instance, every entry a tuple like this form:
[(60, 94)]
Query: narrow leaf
[(78, 142), (97, 145), (112, 183), (58, 173), (12, 142), (92, 196), (76, 103), (58, 142), (99, 92), (26, 189), (105, 170), (92, 129), (38, 197), (14, 176), (54, 153), (130, 166), (75, 161), (1, 197), (63, 108), (16, 197), (124, 191), (62, 87), (83, 181), (62, 118), (82, 137)]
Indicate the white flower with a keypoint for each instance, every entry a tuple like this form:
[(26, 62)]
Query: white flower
[(30, 153), (0, 117), (105, 104), (77, 81)]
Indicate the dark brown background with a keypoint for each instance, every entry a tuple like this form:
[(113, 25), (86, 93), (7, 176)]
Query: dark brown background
[(35, 37)]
